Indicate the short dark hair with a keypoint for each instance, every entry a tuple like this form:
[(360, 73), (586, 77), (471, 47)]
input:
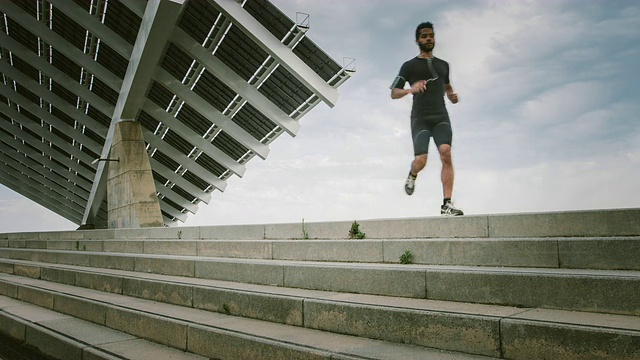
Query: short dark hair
[(424, 25)]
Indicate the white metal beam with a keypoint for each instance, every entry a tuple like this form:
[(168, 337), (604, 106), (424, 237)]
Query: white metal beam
[(166, 192), (26, 190), (183, 159), (180, 181), (45, 134), (235, 82), (204, 108), (63, 202), (174, 124), (270, 44), (173, 211), (94, 26), (50, 118), (52, 98), (54, 73), (43, 158), (54, 189), (60, 44)]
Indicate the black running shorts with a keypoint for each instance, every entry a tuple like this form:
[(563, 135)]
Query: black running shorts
[(425, 127)]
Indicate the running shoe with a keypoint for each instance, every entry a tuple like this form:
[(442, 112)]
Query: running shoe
[(410, 184), (449, 210)]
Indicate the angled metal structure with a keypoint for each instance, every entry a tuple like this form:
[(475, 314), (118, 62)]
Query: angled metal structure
[(212, 82)]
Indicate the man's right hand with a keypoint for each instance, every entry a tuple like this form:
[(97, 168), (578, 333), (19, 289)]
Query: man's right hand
[(419, 86)]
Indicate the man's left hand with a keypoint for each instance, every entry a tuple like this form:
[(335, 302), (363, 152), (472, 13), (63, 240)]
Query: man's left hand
[(453, 97)]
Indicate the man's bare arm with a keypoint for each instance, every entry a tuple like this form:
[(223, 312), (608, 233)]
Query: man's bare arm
[(417, 87), (451, 95)]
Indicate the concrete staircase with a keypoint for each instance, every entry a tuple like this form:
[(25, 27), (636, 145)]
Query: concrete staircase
[(560, 285)]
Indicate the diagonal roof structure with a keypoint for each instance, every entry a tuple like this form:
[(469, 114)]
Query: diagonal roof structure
[(212, 83)]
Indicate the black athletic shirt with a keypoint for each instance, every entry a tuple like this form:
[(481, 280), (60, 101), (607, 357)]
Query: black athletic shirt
[(430, 102)]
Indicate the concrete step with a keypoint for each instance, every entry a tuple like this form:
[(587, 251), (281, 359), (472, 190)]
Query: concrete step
[(465, 327), (200, 332), (615, 253), (64, 337), (591, 223), (605, 291)]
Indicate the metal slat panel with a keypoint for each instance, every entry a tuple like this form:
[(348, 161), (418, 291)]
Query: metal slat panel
[(66, 78), (170, 210), (48, 159), (14, 169), (17, 184), (50, 97), (211, 113), (49, 118), (122, 20), (59, 43), (26, 167), (218, 69), (93, 25), (183, 160), (176, 198), (170, 175), (253, 29), (196, 140), (41, 132)]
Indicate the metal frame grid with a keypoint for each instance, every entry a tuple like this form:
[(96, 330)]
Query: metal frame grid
[(232, 76)]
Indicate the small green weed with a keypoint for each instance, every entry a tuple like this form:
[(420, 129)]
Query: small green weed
[(226, 309), (406, 258), (305, 233), (354, 232)]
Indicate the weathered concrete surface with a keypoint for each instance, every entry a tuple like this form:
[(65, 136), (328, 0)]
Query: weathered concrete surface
[(582, 290), (587, 223), (625, 222), (270, 307), (53, 344), (249, 272), (212, 343), (467, 326), (405, 282), (85, 309), (470, 334), (260, 249), (523, 339), (171, 293), (323, 250), (481, 252), (131, 191), (617, 253), (167, 266), (160, 330), (66, 337)]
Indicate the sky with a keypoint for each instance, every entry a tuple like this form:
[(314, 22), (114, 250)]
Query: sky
[(548, 118)]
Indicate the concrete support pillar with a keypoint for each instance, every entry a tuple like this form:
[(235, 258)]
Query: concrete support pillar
[(131, 191)]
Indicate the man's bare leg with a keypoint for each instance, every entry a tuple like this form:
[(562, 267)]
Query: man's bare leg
[(447, 207), (447, 174), (417, 165)]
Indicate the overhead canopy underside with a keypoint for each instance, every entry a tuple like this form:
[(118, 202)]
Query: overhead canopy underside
[(212, 83)]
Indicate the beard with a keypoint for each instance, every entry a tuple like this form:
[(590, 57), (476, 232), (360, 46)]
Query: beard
[(426, 47)]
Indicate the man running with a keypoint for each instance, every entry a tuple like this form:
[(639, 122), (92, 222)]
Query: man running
[(429, 80)]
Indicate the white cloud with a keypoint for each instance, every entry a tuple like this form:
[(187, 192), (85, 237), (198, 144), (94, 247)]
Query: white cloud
[(563, 104)]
